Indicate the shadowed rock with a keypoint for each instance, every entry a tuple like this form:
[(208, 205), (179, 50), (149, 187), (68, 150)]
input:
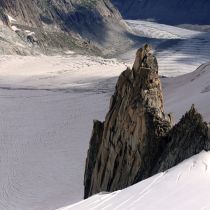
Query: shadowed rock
[(187, 138), (95, 143)]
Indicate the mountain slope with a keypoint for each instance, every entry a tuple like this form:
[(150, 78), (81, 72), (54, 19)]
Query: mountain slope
[(185, 186), (192, 88), (84, 24), (171, 12)]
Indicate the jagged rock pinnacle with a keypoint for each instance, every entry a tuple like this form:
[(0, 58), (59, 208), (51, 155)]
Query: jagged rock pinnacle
[(132, 129), (137, 139)]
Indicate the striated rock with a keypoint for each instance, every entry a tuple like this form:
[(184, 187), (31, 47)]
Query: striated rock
[(133, 129)]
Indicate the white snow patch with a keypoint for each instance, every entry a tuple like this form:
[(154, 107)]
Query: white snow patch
[(15, 28), (30, 33), (69, 52), (11, 19)]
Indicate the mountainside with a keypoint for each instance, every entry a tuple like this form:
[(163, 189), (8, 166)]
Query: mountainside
[(171, 12), (63, 24), (137, 139)]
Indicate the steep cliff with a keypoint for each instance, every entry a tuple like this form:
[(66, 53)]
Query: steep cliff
[(62, 24), (137, 139)]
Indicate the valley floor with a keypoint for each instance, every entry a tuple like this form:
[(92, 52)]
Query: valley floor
[(46, 113)]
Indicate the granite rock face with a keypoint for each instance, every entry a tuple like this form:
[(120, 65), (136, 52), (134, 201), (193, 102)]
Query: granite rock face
[(133, 129), (137, 139)]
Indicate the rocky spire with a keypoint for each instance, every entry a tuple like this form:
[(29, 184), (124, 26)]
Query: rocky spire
[(137, 139), (132, 130)]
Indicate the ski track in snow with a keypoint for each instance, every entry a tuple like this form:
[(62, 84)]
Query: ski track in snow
[(46, 113)]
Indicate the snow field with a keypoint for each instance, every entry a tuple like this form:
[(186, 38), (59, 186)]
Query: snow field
[(46, 115), (185, 186)]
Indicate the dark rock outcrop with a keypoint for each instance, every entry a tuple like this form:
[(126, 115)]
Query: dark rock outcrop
[(209, 130), (187, 138), (137, 139), (95, 143)]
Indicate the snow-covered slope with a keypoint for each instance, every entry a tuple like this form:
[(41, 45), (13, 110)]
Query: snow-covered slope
[(183, 187), (178, 50), (183, 91), (47, 108)]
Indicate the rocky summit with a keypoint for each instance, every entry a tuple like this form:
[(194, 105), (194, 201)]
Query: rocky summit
[(137, 138)]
